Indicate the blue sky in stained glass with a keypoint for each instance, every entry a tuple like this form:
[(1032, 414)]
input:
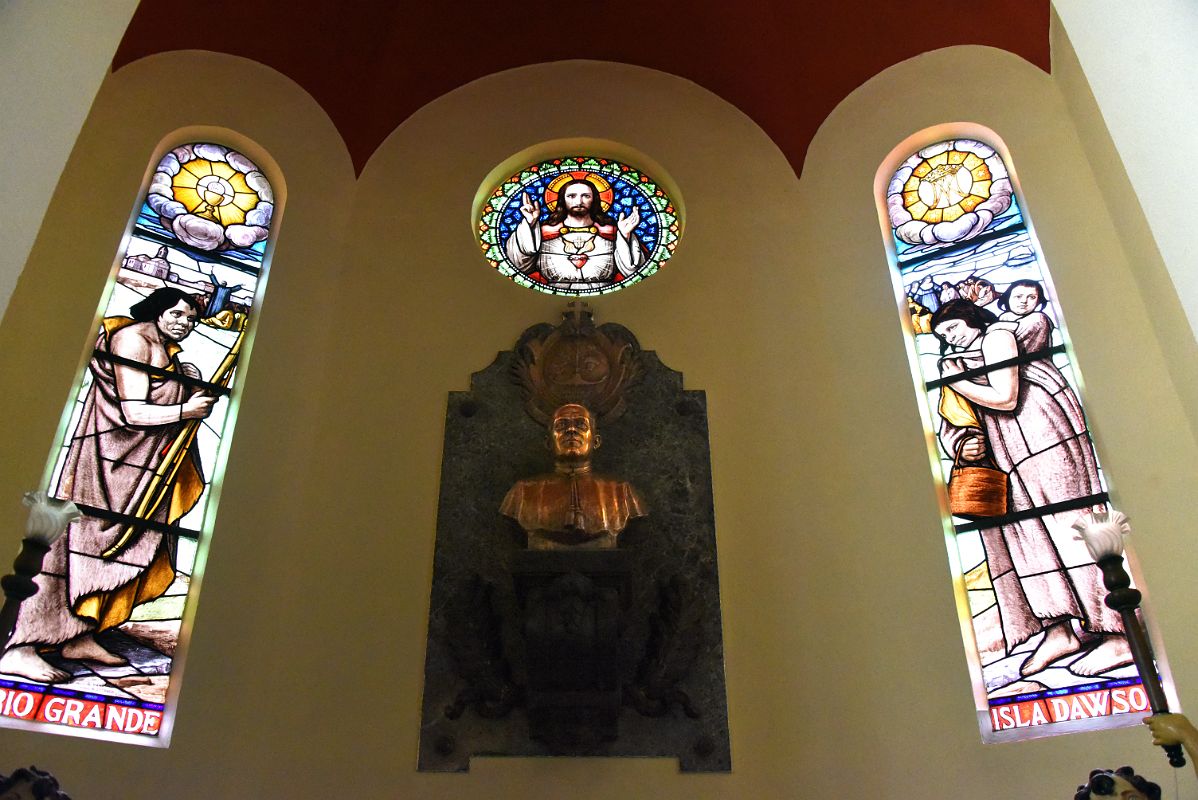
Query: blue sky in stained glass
[(911, 253)]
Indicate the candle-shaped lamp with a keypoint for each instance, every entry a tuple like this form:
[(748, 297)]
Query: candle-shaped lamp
[(1103, 534), (48, 518)]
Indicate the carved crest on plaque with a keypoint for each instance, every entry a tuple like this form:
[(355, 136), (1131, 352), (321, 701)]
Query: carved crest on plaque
[(576, 362)]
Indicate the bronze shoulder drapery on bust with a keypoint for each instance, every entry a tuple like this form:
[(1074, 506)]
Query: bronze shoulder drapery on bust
[(572, 506)]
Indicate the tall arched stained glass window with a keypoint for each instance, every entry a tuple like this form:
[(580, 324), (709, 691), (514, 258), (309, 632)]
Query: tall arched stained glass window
[(141, 451), (1010, 442)]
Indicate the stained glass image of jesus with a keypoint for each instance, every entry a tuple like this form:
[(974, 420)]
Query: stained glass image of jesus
[(578, 245)]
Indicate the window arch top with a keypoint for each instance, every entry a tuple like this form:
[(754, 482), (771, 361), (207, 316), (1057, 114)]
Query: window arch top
[(578, 225), (948, 192), (211, 198)]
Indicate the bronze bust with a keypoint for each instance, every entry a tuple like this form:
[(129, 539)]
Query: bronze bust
[(572, 507)]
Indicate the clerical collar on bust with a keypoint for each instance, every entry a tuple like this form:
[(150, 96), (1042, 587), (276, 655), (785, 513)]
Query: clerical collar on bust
[(572, 469)]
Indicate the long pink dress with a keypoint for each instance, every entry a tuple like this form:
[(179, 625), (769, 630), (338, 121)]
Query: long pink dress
[(1040, 573)]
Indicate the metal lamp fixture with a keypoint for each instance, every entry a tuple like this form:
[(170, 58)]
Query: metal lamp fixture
[(1103, 534)]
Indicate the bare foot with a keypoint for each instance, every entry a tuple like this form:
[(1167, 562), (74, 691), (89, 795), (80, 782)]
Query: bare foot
[(25, 661), (86, 648), (1059, 642), (1112, 653)]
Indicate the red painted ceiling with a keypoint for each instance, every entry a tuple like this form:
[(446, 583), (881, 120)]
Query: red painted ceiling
[(786, 64)]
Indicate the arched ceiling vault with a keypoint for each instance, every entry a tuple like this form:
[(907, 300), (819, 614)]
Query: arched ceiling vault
[(785, 63)]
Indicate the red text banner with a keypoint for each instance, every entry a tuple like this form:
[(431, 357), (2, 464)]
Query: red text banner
[(1083, 705), (78, 712)]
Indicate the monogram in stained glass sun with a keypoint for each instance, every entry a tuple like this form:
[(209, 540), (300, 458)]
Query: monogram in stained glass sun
[(946, 186)]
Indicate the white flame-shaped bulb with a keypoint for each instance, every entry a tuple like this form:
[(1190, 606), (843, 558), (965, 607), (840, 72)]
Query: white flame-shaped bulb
[(1103, 533), (48, 517)]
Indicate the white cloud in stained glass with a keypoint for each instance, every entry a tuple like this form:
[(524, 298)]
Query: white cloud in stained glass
[(211, 198), (947, 192)]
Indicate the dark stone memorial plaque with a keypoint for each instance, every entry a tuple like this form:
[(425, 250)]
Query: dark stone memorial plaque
[(575, 651)]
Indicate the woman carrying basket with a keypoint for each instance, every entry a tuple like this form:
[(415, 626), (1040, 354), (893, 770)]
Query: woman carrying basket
[(1028, 422)]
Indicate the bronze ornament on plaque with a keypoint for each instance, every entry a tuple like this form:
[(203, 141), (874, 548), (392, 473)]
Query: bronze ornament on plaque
[(575, 599), (576, 362)]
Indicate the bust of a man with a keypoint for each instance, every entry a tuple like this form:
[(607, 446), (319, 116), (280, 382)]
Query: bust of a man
[(572, 507)]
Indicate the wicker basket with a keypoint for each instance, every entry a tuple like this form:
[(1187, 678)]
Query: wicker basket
[(976, 491)]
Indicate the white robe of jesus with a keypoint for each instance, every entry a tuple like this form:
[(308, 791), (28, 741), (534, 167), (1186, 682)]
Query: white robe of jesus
[(567, 257)]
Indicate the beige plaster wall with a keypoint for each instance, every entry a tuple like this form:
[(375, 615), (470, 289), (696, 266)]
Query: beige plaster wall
[(1137, 179), (1142, 67), (845, 668), (53, 56)]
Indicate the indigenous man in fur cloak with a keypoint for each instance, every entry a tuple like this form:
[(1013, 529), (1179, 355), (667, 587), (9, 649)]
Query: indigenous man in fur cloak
[(124, 457)]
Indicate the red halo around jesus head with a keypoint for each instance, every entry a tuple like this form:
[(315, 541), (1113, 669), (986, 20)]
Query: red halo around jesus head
[(555, 187)]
